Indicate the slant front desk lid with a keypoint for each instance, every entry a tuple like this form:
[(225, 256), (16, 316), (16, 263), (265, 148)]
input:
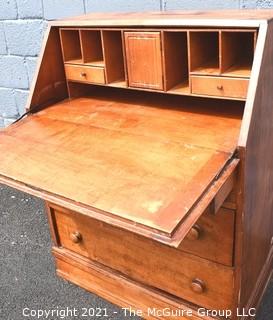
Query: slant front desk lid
[(143, 162)]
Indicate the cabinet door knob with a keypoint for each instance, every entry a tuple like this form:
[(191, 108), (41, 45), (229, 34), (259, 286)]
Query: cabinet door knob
[(83, 74), (194, 233), (198, 286), (220, 87), (76, 237)]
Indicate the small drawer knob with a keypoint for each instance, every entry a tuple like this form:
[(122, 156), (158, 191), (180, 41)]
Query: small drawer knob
[(76, 237), (220, 87), (83, 74), (194, 233), (198, 286)]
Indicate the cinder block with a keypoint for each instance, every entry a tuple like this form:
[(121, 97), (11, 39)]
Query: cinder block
[(21, 99), (8, 9), (200, 4), (3, 46), (260, 4), (24, 37), (13, 72), (54, 9), (31, 67), (122, 5), (248, 4), (8, 107), (30, 8)]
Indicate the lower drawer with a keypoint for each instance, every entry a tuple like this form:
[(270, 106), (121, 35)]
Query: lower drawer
[(85, 74), (197, 280), (219, 86), (121, 290)]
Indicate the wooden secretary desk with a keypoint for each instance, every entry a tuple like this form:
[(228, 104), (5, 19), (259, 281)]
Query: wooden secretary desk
[(150, 138)]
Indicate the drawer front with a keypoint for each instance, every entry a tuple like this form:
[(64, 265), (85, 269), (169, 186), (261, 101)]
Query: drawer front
[(118, 289), (219, 86), (212, 237), (85, 74), (181, 274)]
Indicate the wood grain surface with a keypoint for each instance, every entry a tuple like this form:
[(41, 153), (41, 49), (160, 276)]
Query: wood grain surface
[(123, 157), (148, 262), (143, 175), (228, 18), (117, 288), (144, 59)]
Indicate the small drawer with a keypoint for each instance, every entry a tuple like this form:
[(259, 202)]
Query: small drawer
[(212, 237), (85, 74), (146, 261), (219, 86)]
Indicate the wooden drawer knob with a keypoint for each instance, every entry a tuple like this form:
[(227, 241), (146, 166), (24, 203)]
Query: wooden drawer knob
[(220, 87), (83, 74), (194, 233), (198, 286), (76, 237)]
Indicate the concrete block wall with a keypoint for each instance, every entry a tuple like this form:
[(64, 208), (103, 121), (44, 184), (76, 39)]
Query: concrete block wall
[(23, 22)]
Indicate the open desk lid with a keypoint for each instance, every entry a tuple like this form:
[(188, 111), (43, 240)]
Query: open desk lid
[(147, 169)]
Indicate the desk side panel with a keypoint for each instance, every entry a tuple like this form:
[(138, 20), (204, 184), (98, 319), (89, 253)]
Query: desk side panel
[(49, 82), (258, 186)]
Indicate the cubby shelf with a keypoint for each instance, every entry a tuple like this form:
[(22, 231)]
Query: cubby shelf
[(181, 88), (71, 46), (176, 62), (113, 56), (238, 69), (207, 68), (91, 47), (237, 50), (161, 60), (95, 48), (204, 52), (119, 84)]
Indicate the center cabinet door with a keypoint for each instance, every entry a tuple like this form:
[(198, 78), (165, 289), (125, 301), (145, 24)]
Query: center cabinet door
[(144, 60)]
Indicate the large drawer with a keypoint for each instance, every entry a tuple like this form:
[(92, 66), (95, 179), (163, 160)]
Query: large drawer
[(85, 74), (181, 274), (211, 237), (120, 290), (219, 86)]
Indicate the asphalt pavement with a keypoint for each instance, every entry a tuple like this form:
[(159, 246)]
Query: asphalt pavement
[(28, 282)]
